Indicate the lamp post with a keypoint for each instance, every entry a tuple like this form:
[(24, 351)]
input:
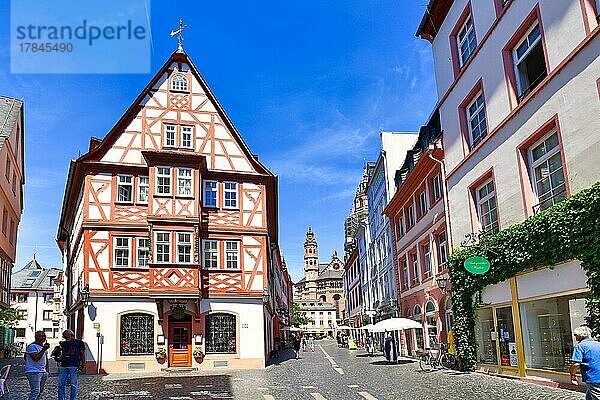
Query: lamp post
[(442, 282), (84, 295)]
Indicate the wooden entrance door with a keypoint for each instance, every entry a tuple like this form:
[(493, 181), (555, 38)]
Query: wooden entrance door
[(180, 344)]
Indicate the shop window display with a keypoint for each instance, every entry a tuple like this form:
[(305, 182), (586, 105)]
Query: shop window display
[(548, 331), (485, 335)]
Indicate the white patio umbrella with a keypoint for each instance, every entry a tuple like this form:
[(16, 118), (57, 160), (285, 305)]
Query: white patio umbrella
[(396, 324), (344, 327), (368, 327)]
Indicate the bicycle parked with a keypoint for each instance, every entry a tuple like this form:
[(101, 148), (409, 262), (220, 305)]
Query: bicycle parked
[(429, 362), (13, 350)]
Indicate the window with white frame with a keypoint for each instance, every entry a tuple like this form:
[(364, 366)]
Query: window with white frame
[(423, 203), (411, 215), (437, 187), (405, 277), (186, 136), (184, 182), (143, 189), (232, 254), (486, 207), (125, 188), (184, 247), (143, 251), (230, 195), (547, 172), (163, 247), (163, 180), (121, 251), (179, 83), (466, 40), (170, 135), (476, 121), (443, 250), (401, 228), (529, 61), (427, 259), (416, 269), (210, 254), (210, 193)]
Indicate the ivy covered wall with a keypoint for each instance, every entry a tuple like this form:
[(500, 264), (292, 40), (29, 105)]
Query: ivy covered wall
[(568, 230)]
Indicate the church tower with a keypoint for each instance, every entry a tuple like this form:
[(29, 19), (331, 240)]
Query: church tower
[(311, 264)]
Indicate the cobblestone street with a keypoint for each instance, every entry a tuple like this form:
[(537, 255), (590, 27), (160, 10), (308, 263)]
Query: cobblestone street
[(328, 373)]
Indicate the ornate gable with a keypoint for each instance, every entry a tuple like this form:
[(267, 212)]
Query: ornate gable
[(177, 112)]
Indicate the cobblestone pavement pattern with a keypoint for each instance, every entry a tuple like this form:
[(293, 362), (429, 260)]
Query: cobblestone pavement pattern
[(328, 373)]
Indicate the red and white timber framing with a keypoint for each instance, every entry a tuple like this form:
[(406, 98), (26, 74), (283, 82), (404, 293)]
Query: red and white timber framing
[(129, 187)]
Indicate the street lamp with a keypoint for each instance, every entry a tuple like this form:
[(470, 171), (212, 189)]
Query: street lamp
[(266, 295), (442, 281), (84, 294)]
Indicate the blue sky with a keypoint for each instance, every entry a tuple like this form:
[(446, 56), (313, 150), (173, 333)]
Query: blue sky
[(308, 84)]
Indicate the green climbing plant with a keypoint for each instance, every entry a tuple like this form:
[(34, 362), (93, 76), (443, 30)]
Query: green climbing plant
[(565, 231)]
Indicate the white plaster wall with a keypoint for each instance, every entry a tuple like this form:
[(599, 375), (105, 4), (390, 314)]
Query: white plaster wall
[(250, 313), (563, 27), (573, 95), (107, 312), (395, 145), (561, 278), (499, 293)]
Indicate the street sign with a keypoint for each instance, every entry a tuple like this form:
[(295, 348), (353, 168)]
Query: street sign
[(96, 325), (477, 265)]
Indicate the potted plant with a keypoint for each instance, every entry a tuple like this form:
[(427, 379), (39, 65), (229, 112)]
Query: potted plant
[(198, 355), (161, 355)]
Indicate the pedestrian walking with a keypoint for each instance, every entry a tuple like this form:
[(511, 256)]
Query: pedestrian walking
[(303, 342), (390, 349), (36, 365), (296, 346), (586, 357), (72, 361), (311, 343)]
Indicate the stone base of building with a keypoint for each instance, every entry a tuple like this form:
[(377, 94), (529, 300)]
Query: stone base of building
[(144, 365)]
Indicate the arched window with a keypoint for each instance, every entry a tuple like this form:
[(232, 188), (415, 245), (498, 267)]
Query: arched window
[(431, 322), (179, 83), (221, 333), (137, 334), (418, 332)]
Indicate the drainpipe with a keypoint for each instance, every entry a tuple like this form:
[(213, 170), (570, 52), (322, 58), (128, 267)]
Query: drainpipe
[(445, 194)]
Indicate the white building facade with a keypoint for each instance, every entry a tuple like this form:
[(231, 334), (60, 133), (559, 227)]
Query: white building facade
[(380, 189), (36, 296), (519, 87)]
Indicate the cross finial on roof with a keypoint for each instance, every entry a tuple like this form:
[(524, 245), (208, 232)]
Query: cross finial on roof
[(179, 32)]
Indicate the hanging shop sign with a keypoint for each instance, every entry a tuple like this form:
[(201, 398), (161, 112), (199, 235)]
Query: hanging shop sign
[(477, 265)]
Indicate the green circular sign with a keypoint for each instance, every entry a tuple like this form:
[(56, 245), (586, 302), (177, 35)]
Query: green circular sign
[(477, 265)]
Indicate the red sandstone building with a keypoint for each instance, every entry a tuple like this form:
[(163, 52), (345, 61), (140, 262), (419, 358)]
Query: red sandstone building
[(420, 241)]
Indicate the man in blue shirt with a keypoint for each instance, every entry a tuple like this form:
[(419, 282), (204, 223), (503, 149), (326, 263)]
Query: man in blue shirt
[(586, 357), (36, 365)]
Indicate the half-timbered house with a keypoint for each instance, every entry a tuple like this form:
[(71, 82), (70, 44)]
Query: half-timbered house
[(169, 235)]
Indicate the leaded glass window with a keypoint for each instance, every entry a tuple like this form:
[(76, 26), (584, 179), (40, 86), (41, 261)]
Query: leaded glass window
[(137, 334), (220, 333)]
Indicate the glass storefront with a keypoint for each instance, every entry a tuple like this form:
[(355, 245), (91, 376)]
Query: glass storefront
[(485, 334), (548, 331), (546, 327)]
